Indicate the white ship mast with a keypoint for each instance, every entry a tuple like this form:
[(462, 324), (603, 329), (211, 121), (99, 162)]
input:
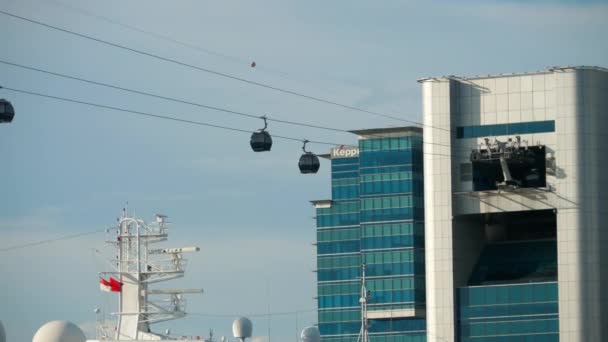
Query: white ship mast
[(137, 265)]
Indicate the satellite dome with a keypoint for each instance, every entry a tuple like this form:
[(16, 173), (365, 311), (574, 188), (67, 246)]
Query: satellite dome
[(242, 328), (59, 331), (2, 334), (310, 334)]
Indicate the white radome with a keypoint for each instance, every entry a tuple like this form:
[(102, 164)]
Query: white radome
[(242, 328), (2, 334), (311, 334), (59, 331)]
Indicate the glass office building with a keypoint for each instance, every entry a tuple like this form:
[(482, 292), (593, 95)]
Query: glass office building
[(375, 217), (499, 236)]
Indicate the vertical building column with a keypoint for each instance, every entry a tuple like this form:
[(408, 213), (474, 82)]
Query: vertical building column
[(581, 128), (438, 211)]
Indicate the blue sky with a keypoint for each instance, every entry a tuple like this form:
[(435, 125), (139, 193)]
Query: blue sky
[(68, 168)]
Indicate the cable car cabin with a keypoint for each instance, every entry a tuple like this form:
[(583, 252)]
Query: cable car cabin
[(309, 163), (7, 112), (261, 141)]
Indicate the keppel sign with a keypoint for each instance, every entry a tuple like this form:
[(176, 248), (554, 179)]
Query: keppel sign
[(344, 152)]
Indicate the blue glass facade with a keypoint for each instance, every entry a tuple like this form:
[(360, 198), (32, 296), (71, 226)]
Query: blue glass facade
[(501, 313), (513, 294), (376, 217), (482, 131)]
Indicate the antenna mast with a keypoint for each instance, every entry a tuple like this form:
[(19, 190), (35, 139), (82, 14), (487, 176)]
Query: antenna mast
[(365, 296), (137, 266)]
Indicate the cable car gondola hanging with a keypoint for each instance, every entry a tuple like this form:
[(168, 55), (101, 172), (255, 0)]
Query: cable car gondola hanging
[(309, 162), (7, 112), (261, 140)]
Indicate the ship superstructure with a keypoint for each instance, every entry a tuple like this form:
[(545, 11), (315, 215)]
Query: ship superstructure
[(137, 266)]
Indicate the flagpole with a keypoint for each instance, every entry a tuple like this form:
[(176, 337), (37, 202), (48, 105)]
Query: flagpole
[(120, 269), (363, 300)]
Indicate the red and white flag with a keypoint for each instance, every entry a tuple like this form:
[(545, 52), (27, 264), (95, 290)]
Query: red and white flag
[(110, 286), (105, 285), (115, 284)]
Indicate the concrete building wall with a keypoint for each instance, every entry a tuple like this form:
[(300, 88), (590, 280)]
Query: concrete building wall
[(576, 99), (581, 127), (438, 212)]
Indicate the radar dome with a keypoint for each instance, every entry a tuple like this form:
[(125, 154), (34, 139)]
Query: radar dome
[(59, 331), (242, 328), (2, 334), (310, 334)]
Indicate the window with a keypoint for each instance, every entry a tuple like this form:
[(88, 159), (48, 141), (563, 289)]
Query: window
[(340, 288), (386, 202), (345, 192), (348, 174), (338, 262), (348, 246), (466, 172), (340, 208), (464, 132), (345, 161), (338, 234), (395, 143), (345, 182), (337, 220), (386, 158), (388, 257)]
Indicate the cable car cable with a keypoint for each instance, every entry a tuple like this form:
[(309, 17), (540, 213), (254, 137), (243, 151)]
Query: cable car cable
[(233, 59), (42, 242), (139, 92), (158, 116), (181, 120), (217, 73), (238, 60), (229, 111), (150, 33), (140, 113)]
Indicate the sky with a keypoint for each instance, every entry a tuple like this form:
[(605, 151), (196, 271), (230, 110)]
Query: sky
[(69, 168)]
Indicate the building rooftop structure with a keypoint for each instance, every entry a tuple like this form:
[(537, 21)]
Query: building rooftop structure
[(548, 70), (386, 132)]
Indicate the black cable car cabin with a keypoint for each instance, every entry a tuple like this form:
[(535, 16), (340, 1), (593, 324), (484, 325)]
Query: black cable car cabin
[(7, 112), (261, 141), (309, 163)]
